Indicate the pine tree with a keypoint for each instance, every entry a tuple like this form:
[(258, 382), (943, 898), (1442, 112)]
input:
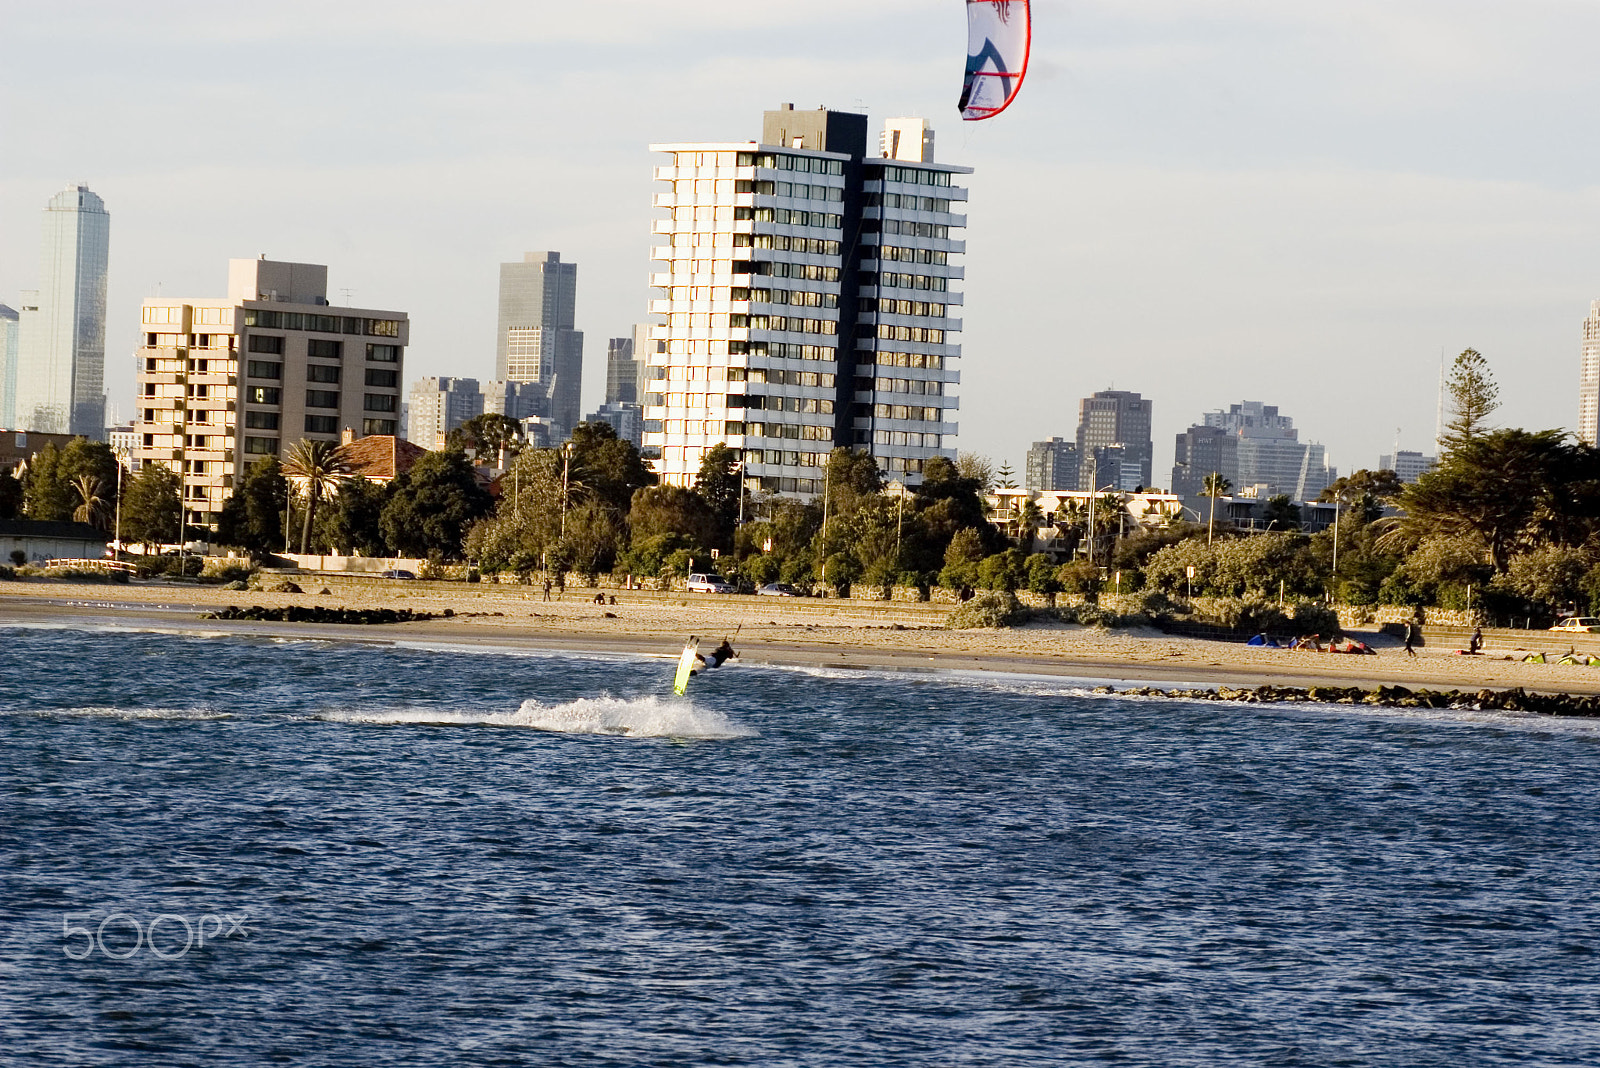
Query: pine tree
[(1474, 396)]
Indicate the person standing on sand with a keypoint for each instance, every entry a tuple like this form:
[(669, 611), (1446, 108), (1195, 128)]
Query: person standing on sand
[(1411, 637), (547, 589)]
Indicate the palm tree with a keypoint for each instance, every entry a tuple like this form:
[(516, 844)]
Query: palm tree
[(1214, 486), (93, 508), (315, 468), (1030, 520)]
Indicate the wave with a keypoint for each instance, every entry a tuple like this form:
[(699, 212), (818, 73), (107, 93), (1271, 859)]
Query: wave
[(110, 712), (634, 717)]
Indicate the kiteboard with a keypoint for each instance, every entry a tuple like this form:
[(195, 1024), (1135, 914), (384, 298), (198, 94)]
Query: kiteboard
[(680, 685)]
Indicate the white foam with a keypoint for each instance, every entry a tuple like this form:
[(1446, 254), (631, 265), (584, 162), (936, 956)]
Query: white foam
[(637, 717), (110, 712)]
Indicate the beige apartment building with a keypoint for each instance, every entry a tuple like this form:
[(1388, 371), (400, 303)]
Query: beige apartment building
[(225, 382)]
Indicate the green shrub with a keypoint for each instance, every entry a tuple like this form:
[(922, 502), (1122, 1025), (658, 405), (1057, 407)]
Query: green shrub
[(991, 608)]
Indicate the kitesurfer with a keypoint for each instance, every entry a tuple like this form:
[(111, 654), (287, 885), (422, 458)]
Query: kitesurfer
[(718, 656)]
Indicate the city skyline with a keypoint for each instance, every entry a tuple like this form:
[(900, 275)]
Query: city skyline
[(1321, 243)]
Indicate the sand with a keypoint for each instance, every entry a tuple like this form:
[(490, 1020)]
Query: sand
[(778, 630)]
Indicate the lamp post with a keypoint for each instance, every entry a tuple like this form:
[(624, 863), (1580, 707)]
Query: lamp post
[(116, 535), (566, 470)]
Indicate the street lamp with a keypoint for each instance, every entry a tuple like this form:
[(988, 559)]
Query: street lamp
[(566, 470)]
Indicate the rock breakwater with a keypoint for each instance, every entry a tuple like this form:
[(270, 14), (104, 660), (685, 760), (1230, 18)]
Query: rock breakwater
[(1514, 700)]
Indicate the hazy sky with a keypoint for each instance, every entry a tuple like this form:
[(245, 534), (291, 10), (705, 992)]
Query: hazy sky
[(1293, 202)]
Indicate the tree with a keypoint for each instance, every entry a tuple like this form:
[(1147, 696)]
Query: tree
[(718, 484), (353, 520), (1364, 491), (432, 504), (1509, 488), (961, 560), (1028, 523), (608, 466), (1005, 478), (150, 506), (979, 470), (93, 509), (316, 469), (1214, 486), (10, 496), (491, 434), (661, 510), (1474, 396), (48, 481), (254, 516), (1281, 513), (1004, 570)]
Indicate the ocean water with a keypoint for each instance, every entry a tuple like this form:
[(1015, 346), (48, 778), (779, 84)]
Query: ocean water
[(221, 851)]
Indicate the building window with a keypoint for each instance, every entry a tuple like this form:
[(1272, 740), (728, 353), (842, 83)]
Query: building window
[(266, 343), (380, 402), (384, 427), (261, 420), (377, 376), (324, 350), (262, 395), (383, 353), (264, 369), (322, 424), (322, 372), (322, 398)]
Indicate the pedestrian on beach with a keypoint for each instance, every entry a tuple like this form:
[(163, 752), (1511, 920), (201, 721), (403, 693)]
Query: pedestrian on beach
[(1477, 641), (1411, 637), (547, 589)]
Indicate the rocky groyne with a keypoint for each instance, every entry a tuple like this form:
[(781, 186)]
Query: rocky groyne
[(1515, 700)]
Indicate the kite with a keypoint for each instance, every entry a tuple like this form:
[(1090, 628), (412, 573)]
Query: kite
[(999, 33)]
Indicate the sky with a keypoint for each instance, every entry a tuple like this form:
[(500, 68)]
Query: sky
[(1299, 203)]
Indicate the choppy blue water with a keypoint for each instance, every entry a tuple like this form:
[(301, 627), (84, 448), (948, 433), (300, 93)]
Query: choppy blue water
[(405, 856)]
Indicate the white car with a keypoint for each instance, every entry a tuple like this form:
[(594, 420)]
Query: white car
[(1580, 625), (699, 582)]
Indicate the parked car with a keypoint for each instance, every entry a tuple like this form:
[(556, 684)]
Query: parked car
[(398, 573), (700, 582), (778, 589), (1580, 624)]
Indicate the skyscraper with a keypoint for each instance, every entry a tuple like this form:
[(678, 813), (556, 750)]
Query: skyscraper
[(1052, 465), (1589, 379), (806, 291), (439, 405), (226, 381), (1114, 447), (8, 367), (1201, 451), (1271, 457), (536, 340), (60, 368), (622, 372)]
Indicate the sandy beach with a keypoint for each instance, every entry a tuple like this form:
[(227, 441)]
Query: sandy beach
[(776, 630)]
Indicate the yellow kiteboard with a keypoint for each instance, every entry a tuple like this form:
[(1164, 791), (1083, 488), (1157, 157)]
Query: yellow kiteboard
[(685, 667)]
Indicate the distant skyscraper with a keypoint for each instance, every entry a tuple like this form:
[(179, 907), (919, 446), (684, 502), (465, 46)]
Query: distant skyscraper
[(1589, 379), (8, 367), (1052, 465), (1407, 466), (622, 371), (536, 341), (1114, 418), (1272, 460), (516, 400), (438, 406), (61, 365), (1201, 451), (625, 418)]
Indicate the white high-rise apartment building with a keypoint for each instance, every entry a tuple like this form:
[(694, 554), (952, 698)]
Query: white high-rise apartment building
[(60, 366), (225, 382), (806, 293), (1589, 379)]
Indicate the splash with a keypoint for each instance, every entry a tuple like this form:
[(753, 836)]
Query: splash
[(635, 717), (109, 712)]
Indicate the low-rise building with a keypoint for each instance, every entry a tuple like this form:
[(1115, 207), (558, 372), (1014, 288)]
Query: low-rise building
[(17, 447), (38, 541), (223, 382)]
